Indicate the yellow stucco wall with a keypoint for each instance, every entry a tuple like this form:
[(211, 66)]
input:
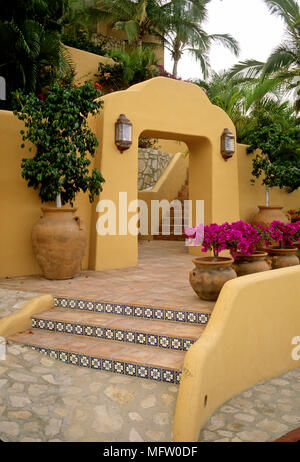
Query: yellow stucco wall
[(86, 64), (247, 340)]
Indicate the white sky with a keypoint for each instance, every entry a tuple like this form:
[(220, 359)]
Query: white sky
[(248, 21)]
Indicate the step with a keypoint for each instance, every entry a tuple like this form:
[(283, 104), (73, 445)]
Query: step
[(131, 360), (170, 237), (199, 315), (149, 332)]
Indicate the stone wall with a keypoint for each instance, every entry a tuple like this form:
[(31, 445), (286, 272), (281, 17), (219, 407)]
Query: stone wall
[(152, 164), (110, 43)]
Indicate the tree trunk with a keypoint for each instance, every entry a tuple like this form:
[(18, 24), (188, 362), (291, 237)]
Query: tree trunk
[(175, 67)]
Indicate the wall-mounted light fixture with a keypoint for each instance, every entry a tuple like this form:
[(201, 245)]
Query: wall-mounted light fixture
[(227, 144), (123, 133)]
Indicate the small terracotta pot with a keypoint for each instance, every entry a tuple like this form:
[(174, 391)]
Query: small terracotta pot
[(267, 214), (209, 276), (59, 240), (281, 258), (248, 264)]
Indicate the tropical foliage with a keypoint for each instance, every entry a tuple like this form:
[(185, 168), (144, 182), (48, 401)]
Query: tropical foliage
[(57, 127), (31, 52)]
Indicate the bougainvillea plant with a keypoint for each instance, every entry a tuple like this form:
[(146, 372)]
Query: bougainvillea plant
[(285, 234), (57, 127), (238, 237)]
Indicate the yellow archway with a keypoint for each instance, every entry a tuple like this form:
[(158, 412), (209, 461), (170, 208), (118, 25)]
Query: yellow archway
[(169, 109)]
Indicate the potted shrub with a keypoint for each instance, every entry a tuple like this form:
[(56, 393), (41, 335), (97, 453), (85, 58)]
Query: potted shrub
[(248, 258), (56, 124), (271, 139), (211, 273), (286, 235)]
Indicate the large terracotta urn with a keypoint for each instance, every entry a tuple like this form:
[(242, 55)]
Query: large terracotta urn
[(249, 264), (209, 276), (59, 241), (282, 258), (267, 214)]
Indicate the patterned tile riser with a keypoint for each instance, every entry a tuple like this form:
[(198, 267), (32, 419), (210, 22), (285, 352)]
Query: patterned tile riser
[(162, 314), (118, 367), (139, 338)]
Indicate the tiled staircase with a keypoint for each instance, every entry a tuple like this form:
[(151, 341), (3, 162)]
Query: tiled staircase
[(143, 341), (179, 218)]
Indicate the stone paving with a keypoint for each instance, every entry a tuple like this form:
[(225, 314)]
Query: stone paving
[(45, 400)]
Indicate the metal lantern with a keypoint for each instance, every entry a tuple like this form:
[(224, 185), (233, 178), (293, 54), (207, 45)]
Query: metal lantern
[(227, 144), (123, 133)]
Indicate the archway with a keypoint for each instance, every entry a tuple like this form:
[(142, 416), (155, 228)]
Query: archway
[(169, 109)]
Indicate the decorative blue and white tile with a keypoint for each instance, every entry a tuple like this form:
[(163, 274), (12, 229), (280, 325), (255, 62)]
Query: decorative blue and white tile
[(74, 359), (170, 315), (191, 317), (187, 344), (69, 328), (50, 325), (71, 303), (203, 318), (119, 335), (90, 306), (164, 342), (176, 343), (138, 312), (109, 334), (41, 324), (178, 377), (118, 309), (130, 369), (141, 338), (84, 360), (53, 354), (78, 329), (34, 322), (130, 337), (63, 356), (155, 373), (99, 332), (152, 340), (180, 316), (60, 326), (128, 310), (168, 376), (95, 363), (143, 372), (148, 313), (118, 367), (158, 314), (109, 308), (88, 331), (64, 302), (99, 307), (80, 305), (106, 365), (44, 351)]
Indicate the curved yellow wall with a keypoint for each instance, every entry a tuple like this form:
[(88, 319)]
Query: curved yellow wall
[(247, 340)]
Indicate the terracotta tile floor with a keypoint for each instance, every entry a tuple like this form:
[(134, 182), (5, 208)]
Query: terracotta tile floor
[(161, 278)]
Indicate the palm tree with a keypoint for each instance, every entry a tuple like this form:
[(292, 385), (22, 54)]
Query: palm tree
[(284, 61), (184, 32), (137, 19)]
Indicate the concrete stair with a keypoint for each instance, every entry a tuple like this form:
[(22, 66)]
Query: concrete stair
[(172, 228), (146, 342)]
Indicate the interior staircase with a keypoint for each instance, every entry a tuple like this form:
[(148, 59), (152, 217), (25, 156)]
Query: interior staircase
[(179, 218), (142, 341)]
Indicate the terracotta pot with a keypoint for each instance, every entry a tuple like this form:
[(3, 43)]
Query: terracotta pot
[(208, 276), (281, 258), (297, 245), (59, 240), (248, 264), (267, 214)]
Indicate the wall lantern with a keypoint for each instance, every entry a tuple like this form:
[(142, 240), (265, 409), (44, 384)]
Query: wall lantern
[(123, 133), (227, 144)]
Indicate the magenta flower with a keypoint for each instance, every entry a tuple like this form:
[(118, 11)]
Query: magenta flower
[(286, 234)]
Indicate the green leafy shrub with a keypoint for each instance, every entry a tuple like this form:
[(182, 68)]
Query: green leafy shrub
[(83, 43), (56, 124)]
